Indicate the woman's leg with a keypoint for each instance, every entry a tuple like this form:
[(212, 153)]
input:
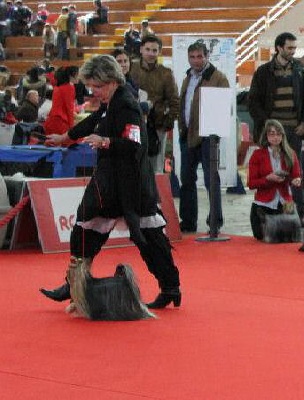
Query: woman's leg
[(157, 254)]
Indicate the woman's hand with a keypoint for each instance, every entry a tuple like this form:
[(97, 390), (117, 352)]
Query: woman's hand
[(275, 178), (296, 182), (55, 139), (97, 142)]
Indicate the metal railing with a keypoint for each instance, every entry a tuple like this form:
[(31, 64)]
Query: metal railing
[(247, 43)]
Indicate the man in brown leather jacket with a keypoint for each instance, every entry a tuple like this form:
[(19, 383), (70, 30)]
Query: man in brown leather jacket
[(158, 81)]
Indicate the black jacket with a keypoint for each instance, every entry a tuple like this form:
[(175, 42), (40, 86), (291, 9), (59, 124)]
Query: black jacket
[(262, 90), (123, 183)]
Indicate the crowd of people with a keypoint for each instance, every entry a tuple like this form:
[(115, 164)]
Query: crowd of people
[(58, 31), (46, 100)]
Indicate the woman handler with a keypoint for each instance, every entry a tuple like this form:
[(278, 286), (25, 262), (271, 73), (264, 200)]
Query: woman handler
[(123, 184)]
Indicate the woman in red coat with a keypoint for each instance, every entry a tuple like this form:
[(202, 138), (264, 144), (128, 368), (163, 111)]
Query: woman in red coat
[(272, 169), (61, 116)]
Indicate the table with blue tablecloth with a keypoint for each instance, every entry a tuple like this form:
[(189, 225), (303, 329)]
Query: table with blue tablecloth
[(64, 161)]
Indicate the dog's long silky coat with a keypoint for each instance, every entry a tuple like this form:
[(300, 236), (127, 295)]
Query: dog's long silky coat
[(114, 298)]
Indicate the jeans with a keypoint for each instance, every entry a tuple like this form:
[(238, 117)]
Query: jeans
[(188, 206), (62, 38)]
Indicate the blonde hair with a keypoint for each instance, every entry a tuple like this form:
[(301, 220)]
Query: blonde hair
[(103, 68), (285, 148)]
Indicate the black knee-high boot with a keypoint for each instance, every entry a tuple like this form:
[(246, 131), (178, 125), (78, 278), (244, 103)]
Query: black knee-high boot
[(157, 254)]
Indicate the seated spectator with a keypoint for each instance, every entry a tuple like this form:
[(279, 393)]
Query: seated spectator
[(72, 26), (272, 169), (27, 115), (145, 29), (39, 20), (100, 16), (132, 41), (2, 52), (49, 41), (62, 114), (8, 105), (33, 80), (46, 106), (4, 76), (81, 93), (62, 34), (28, 110), (20, 19)]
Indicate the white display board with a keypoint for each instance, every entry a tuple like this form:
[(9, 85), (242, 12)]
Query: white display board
[(220, 99), (222, 56)]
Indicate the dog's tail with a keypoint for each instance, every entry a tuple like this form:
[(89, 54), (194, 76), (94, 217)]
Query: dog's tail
[(126, 271)]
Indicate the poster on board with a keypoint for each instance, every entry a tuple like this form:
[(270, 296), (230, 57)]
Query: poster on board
[(222, 56)]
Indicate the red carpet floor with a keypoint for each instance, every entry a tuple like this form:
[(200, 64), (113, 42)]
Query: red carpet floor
[(239, 334)]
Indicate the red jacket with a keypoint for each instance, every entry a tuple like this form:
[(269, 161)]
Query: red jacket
[(61, 116), (260, 166)]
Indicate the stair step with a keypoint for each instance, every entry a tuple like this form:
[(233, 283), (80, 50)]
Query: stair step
[(138, 18), (119, 31), (153, 7), (105, 44)]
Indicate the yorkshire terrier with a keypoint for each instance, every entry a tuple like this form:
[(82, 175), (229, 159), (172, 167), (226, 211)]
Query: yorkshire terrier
[(114, 298), (282, 228)]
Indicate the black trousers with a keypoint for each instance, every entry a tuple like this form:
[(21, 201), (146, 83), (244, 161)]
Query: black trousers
[(156, 251)]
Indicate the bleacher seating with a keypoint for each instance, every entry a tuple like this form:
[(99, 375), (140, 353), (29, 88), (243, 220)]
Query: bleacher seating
[(166, 17)]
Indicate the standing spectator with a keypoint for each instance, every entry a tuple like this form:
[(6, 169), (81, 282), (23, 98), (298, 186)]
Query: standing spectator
[(276, 92), (9, 17), (72, 26), (61, 116), (39, 21), (21, 18), (100, 16), (49, 41), (272, 169), (158, 81), (145, 29), (62, 34), (3, 12), (195, 149), (132, 41), (124, 60), (2, 52)]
